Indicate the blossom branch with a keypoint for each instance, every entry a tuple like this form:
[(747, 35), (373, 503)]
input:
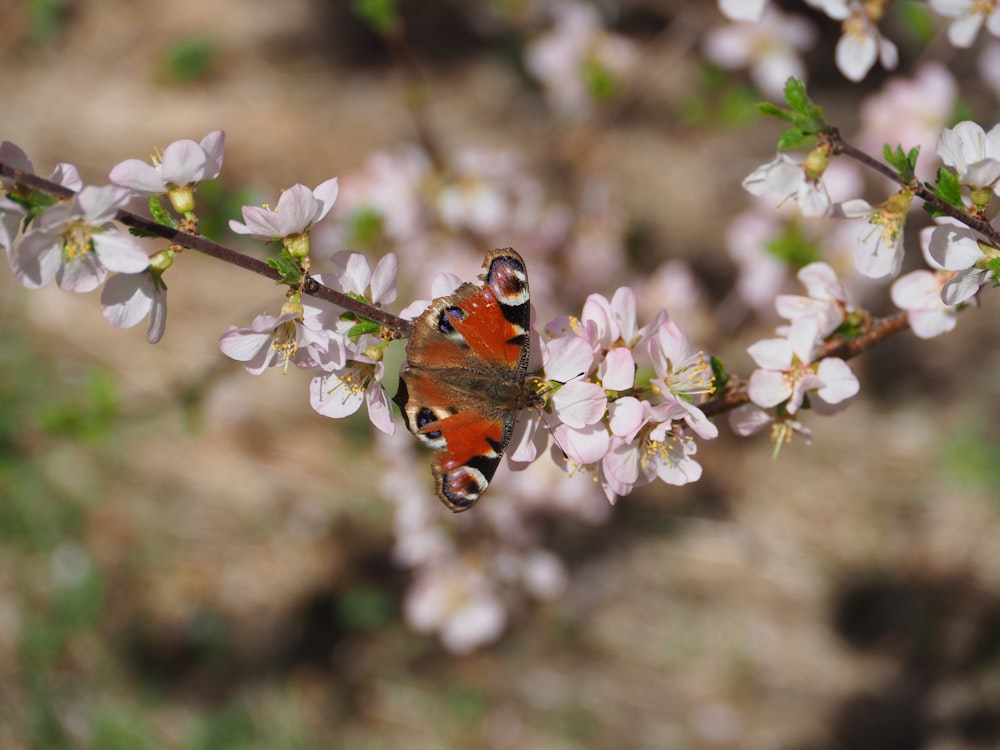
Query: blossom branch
[(735, 393), (400, 327), (841, 147)]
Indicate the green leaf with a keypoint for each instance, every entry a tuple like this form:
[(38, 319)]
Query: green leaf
[(795, 96), (773, 110), (160, 214), (720, 377), (190, 59), (948, 188), (363, 327), (379, 14), (792, 138), (290, 272), (792, 247), (917, 19)]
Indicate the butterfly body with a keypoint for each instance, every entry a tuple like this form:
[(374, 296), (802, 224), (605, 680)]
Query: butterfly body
[(463, 383)]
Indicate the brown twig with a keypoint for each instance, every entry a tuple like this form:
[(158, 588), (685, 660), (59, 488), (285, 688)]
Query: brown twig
[(401, 328)]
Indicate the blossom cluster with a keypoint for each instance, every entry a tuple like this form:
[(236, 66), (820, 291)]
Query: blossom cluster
[(770, 43)]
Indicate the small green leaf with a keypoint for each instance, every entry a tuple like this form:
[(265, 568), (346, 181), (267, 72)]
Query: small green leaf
[(190, 59), (917, 19), (600, 82), (290, 272), (363, 327), (792, 138), (720, 377), (795, 96), (379, 14), (160, 214), (793, 247), (773, 110), (948, 188)]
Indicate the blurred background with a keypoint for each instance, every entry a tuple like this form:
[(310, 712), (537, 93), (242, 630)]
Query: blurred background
[(190, 557)]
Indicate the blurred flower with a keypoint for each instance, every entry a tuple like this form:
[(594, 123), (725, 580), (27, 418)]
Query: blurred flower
[(458, 601), (769, 45), (742, 10), (861, 43), (578, 61), (910, 112), (970, 16), (919, 293)]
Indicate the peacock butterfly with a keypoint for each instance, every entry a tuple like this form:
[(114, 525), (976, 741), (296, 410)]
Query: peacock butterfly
[(463, 383)]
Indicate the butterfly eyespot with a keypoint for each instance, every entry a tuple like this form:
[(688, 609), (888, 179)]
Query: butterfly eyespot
[(424, 417), (446, 316)]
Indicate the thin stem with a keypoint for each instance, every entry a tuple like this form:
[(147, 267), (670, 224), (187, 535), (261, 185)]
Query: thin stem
[(399, 327), (842, 147)]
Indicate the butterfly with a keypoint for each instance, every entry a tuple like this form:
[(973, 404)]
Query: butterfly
[(463, 382)]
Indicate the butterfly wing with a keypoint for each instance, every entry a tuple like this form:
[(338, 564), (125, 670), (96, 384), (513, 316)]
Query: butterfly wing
[(463, 383)]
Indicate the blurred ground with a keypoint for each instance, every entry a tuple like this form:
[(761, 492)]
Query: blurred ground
[(191, 557)]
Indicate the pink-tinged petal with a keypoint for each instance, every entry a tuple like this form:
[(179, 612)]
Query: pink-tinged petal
[(917, 290), (622, 463), (326, 195), (214, 145), (120, 253), (626, 416), (567, 358), (983, 174), (697, 421), (528, 441), (183, 163), (81, 274), (839, 383), (771, 354), (259, 222), (963, 31), (332, 397), (748, 419), (415, 309), (357, 273), (855, 208), (803, 336), (12, 155), (618, 370), (954, 248), (100, 204), (821, 282), (684, 471), (597, 310), (243, 344), (138, 175), (380, 410), (578, 404), (127, 299), (856, 54), (35, 259), (768, 388), (296, 210), (927, 324), (888, 53), (68, 176), (383, 282), (585, 446), (742, 10), (963, 286), (624, 311), (783, 176), (993, 22), (814, 200), (157, 317)]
